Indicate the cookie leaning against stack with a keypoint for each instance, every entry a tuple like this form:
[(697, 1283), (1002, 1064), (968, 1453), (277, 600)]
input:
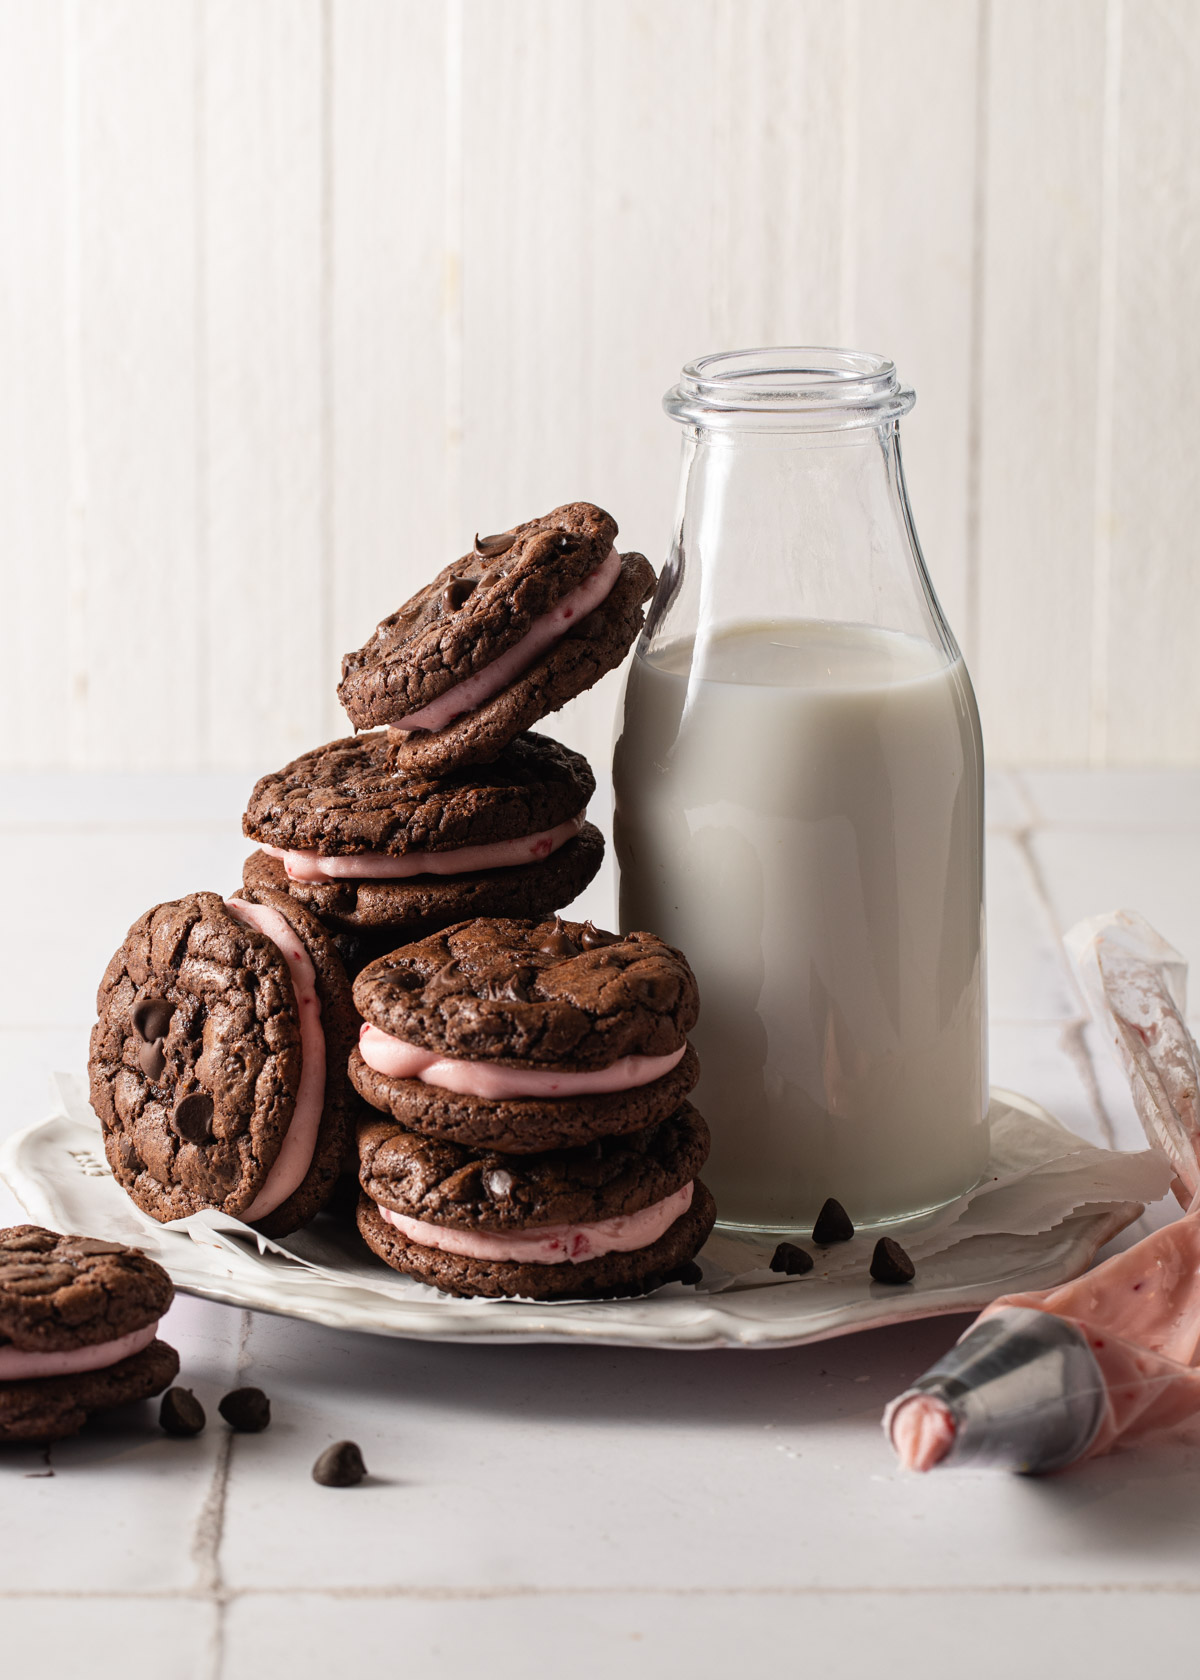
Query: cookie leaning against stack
[(452, 810), (77, 1331), (218, 1063), (568, 1047)]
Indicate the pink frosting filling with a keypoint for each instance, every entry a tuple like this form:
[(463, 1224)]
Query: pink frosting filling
[(463, 860), (922, 1431), (300, 1140), (542, 633), (16, 1366), (550, 1245), (399, 1060)]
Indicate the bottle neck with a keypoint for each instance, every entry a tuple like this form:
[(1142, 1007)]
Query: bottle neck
[(779, 525)]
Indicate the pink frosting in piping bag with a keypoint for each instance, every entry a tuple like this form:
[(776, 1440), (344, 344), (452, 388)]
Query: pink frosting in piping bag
[(551, 1245), (300, 1140), (399, 1060), (922, 1431), (19, 1366), (551, 627), (463, 860)]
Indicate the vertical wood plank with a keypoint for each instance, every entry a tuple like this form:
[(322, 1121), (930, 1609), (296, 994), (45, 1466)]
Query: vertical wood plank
[(269, 660), (1039, 391), (586, 200), (786, 96), (1152, 672), (34, 694), (913, 209), (137, 601), (389, 302)]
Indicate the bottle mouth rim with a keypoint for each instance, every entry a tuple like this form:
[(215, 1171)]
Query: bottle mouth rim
[(789, 387)]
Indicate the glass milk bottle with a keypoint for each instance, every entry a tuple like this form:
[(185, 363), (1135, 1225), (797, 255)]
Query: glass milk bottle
[(799, 800)]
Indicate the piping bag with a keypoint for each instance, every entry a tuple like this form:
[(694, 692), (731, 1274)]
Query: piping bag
[(1048, 1378)]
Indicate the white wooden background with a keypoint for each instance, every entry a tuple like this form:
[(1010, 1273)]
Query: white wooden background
[(296, 294)]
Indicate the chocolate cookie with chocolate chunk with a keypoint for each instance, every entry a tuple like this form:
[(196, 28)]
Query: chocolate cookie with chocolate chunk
[(218, 1062), (603, 1276), (344, 801), (485, 1190), (503, 636), (77, 1331), (554, 995), (383, 859)]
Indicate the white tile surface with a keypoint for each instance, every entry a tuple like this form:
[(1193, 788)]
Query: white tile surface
[(707, 1635), (1155, 871), (1027, 973), (130, 1638), (603, 1510), (1118, 799)]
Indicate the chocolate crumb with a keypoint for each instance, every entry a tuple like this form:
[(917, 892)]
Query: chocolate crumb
[(340, 1465), (792, 1260), (246, 1409), (181, 1413), (834, 1225), (890, 1264)]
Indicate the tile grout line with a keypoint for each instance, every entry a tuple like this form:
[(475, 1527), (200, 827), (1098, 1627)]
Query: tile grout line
[(210, 1527), (467, 1595)]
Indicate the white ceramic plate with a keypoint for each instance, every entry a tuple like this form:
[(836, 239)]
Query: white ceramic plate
[(1064, 1200)]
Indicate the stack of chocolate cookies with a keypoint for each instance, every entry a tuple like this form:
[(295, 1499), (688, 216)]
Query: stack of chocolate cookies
[(449, 807), (533, 1072), (535, 1139)]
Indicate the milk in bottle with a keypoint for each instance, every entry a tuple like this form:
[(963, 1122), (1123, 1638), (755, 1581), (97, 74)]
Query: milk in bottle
[(799, 809)]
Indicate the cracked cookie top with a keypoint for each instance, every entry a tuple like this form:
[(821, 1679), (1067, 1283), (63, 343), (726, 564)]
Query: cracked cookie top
[(533, 994), (347, 797), (475, 609), (61, 1293), (448, 1184)]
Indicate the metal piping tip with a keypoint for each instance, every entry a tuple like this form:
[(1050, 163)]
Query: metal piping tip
[(1023, 1390)]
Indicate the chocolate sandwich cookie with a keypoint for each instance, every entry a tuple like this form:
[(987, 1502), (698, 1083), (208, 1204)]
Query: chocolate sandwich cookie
[(485, 1190), (521, 1125), (384, 859), (557, 995), (77, 1331), (523, 1036), (218, 1063), (601, 1276), (504, 635)]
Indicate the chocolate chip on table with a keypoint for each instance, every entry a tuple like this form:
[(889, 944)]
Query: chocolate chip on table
[(246, 1409), (340, 1465), (499, 544), (792, 1260), (834, 1225), (890, 1264), (192, 1119), (181, 1413)]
